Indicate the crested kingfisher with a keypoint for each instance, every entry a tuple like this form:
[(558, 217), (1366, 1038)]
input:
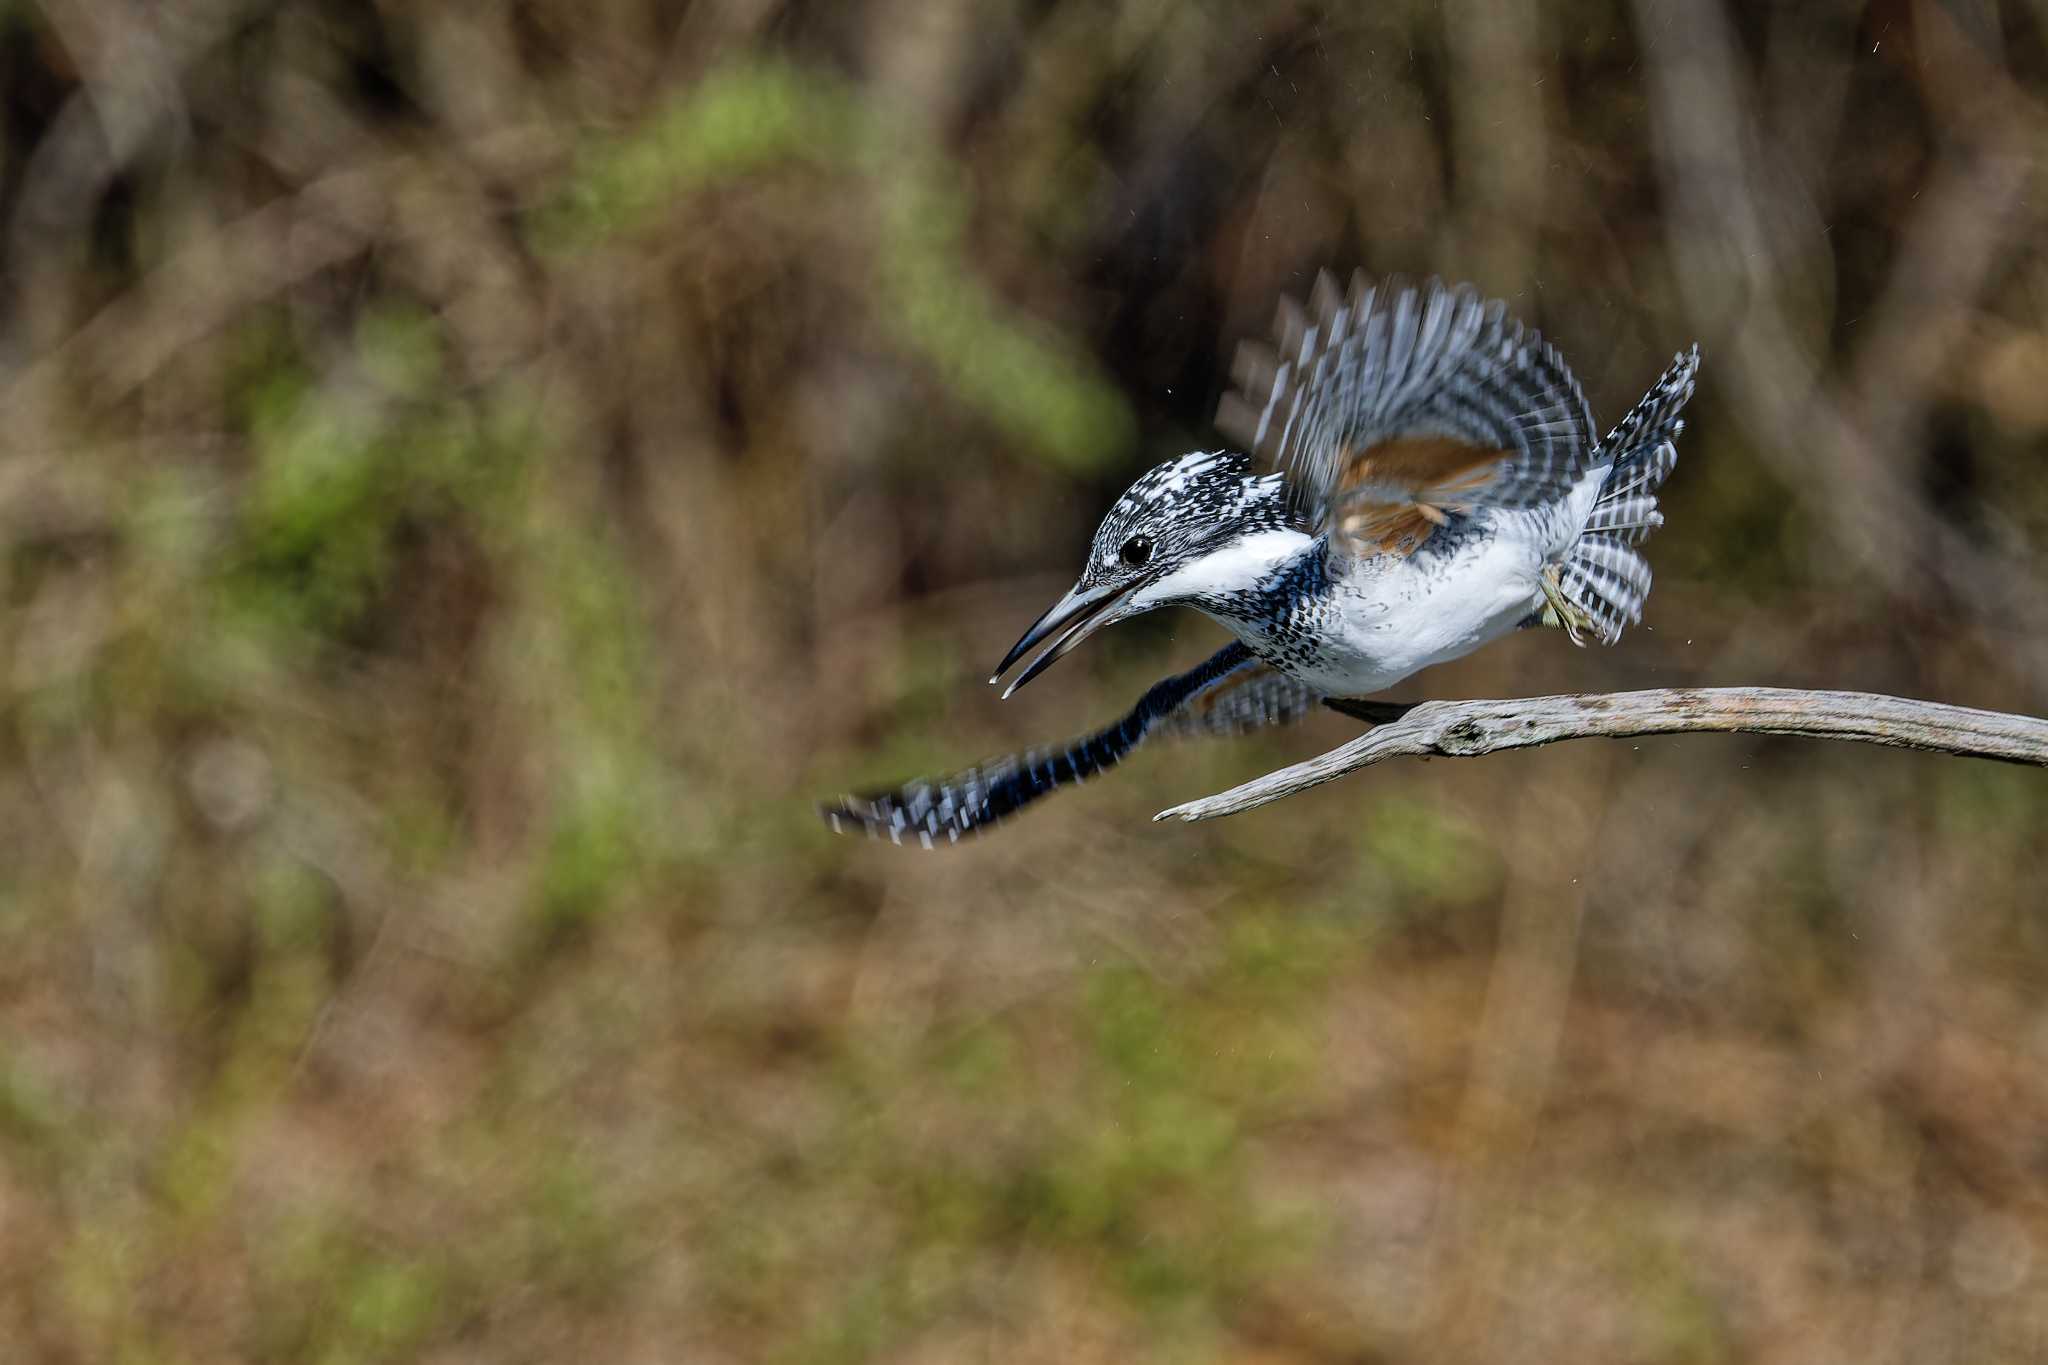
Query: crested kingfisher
[(1435, 482)]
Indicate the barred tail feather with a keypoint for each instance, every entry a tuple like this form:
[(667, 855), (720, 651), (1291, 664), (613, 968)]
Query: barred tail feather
[(1643, 470), (1602, 574), (1628, 518), (1653, 421), (1608, 581)]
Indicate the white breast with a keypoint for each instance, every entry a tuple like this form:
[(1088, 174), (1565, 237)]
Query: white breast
[(1390, 616), (1415, 615)]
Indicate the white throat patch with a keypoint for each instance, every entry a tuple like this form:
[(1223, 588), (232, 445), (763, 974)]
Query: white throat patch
[(1237, 567)]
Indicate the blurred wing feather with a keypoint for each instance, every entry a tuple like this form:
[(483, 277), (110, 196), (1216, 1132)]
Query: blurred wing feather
[(1392, 407), (1230, 693), (1255, 696)]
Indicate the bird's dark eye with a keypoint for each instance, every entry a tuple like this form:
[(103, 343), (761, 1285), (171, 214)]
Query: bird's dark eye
[(1137, 552)]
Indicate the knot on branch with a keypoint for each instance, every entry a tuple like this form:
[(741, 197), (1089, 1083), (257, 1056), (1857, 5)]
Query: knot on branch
[(1464, 738)]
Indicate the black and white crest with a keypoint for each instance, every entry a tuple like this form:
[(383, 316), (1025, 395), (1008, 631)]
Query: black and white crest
[(1180, 507)]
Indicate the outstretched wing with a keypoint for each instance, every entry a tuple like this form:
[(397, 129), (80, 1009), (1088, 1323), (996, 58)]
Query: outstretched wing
[(1392, 408), (1228, 694), (1253, 697)]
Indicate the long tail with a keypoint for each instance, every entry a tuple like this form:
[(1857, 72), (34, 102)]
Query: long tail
[(1602, 574), (1228, 693)]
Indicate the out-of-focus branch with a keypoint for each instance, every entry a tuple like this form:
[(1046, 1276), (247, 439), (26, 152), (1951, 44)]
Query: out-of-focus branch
[(1498, 137), (1746, 238), (132, 62), (1466, 729)]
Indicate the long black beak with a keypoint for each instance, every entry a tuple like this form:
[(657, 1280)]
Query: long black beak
[(1072, 619)]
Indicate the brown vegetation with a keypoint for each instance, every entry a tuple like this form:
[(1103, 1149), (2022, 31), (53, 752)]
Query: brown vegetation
[(472, 474)]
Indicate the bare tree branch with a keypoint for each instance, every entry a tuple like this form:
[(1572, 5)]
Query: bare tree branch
[(1466, 729)]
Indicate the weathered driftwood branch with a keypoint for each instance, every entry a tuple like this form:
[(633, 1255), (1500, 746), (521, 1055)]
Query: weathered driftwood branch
[(1465, 729)]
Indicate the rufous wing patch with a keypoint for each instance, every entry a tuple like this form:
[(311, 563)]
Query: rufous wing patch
[(1420, 465), (1395, 493), (1387, 530)]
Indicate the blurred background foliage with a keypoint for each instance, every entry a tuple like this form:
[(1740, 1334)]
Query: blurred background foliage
[(474, 473)]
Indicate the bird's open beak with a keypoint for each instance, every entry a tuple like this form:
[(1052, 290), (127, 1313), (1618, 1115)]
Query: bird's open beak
[(1072, 619)]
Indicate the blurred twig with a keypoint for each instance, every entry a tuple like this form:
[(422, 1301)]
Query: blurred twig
[(1466, 729), (1747, 237)]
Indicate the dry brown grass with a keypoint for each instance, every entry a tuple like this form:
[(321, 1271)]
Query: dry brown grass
[(473, 474)]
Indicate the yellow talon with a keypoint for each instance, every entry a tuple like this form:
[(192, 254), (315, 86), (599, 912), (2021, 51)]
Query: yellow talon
[(1561, 613)]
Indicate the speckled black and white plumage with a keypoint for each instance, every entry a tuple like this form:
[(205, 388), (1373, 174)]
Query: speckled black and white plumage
[(1380, 366), (1188, 506), (1488, 505)]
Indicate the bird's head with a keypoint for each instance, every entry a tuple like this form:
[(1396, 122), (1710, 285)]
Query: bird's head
[(1198, 527)]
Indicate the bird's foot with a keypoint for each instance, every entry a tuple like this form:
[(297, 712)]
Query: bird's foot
[(1561, 613)]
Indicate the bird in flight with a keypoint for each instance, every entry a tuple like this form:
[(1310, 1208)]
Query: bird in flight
[(1422, 475)]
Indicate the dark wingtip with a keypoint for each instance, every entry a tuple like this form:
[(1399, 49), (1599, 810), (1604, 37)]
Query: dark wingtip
[(867, 815), (842, 817)]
